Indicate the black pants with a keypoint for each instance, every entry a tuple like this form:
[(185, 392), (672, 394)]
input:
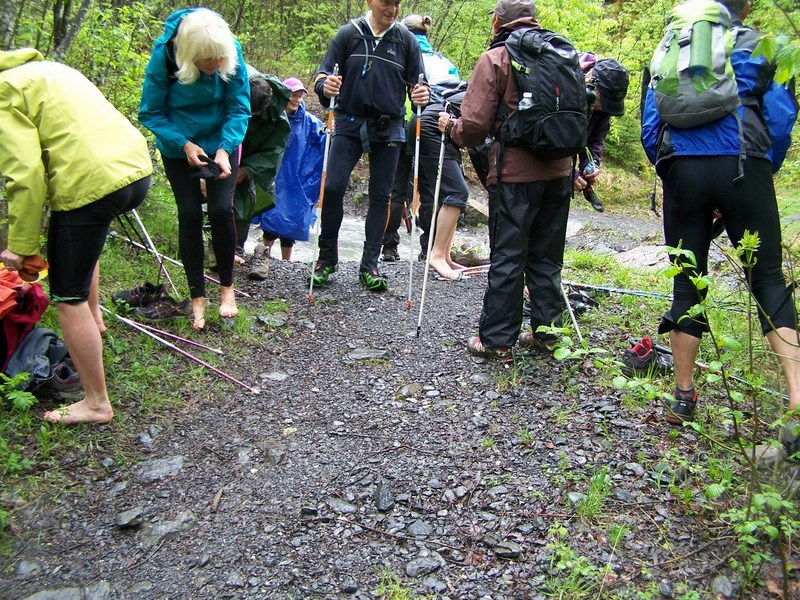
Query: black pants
[(345, 152), (527, 231), (75, 240), (219, 200), (693, 187)]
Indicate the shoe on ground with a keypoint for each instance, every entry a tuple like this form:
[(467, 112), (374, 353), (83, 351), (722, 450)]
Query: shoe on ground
[(165, 309), (390, 254), (373, 280), (260, 267), (141, 295), (476, 348), (592, 199), (790, 438), (643, 359), (65, 383), (544, 344), (321, 274), (682, 407)]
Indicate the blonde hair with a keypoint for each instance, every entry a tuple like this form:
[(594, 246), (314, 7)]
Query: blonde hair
[(202, 35), (418, 23)]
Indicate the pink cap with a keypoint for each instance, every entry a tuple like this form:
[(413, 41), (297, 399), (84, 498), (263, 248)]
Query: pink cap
[(294, 84)]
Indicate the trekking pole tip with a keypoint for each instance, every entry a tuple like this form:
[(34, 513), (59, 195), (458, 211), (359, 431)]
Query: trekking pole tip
[(310, 297), (408, 304)]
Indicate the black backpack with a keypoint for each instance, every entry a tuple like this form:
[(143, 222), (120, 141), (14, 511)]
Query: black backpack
[(545, 64)]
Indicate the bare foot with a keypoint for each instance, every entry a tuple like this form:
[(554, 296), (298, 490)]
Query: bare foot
[(238, 260), (443, 269), (227, 303), (80, 412), (198, 313)]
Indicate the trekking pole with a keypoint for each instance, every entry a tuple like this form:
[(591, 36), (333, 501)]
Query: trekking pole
[(182, 339), (414, 201), (431, 230), (571, 313), (318, 224), (153, 250), (180, 351), (135, 244)]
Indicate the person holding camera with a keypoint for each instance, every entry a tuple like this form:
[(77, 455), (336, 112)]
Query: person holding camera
[(380, 63), (609, 80)]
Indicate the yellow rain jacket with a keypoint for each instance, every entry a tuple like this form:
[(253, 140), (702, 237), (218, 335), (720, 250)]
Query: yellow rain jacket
[(61, 141)]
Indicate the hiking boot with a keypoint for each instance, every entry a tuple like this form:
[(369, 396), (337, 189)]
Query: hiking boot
[(141, 295), (390, 254), (476, 348), (260, 268), (592, 199), (65, 384), (321, 274), (682, 407), (544, 344), (790, 438), (643, 360), (373, 280), (165, 309)]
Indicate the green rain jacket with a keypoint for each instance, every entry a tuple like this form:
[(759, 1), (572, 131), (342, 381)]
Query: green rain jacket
[(61, 142), (262, 151)]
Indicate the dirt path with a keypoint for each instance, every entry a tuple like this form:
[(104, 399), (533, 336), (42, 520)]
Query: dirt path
[(369, 452)]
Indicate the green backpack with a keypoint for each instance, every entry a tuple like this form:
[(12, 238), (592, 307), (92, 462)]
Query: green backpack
[(692, 76)]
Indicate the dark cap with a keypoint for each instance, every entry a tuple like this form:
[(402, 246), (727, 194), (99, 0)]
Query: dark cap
[(511, 10), (612, 79)]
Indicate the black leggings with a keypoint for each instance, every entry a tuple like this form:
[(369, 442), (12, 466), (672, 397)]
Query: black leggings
[(75, 239), (189, 199), (345, 152), (693, 187)]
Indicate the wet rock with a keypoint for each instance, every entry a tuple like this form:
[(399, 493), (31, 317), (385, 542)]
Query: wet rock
[(767, 457), (575, 498), (349, 587), (97, 591), (635, 468), (384, 500), (412, 389), (420, 529), (341, 506), (273, 320), (117, 489), (435, 584), (275, 457), (424, 565), (235, 579), (152, 533), (367, 354), (309, 511), (155, 470), (722, 588), (141, 587), (129, 518), (508, 549), (28, 568), (275, 376), (108, 462), (665, 588)]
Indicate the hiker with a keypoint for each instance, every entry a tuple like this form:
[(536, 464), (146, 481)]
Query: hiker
[(262, 151), (453, 192), (298, 181), (196, 101), (528, 205), (609, 80), (55, 125), (440, 73), (380, 63), (701, 170)]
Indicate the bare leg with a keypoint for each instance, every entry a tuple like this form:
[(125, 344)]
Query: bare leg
[(85, 346), (684, 355), (445, 230), (227, 302), (198, 313), (784, 343), (286, 252), (94, 300)]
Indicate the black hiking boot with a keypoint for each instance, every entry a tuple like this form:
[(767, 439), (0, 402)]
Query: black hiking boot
[(682, 408)]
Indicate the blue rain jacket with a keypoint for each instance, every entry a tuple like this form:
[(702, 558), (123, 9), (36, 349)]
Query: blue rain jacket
[(298, 181)]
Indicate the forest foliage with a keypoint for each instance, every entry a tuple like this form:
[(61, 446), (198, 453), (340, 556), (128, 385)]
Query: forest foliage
[(110, 40)]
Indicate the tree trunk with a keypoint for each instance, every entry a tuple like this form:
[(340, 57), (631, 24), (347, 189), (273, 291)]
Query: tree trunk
[(69, 29), (8, 13)]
